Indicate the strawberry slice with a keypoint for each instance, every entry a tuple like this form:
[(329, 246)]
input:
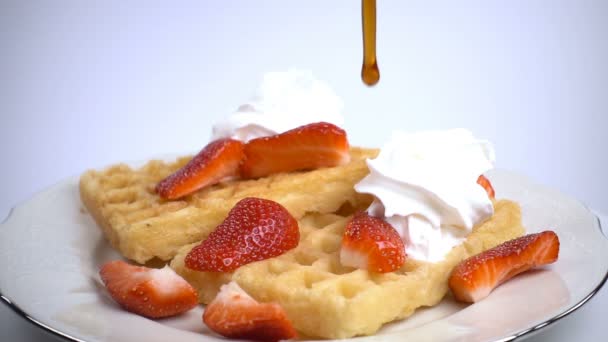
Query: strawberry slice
[(234, 314), (371, 243), (149, 292), (485, 183), (255, 229), (304, 148), (474, 278), (218, 160)]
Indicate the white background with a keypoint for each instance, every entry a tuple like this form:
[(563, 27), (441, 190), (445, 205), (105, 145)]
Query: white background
[(89, 83)]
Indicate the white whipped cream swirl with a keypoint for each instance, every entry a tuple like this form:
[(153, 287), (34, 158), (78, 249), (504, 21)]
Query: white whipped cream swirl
[(284, 100), (425, 185)]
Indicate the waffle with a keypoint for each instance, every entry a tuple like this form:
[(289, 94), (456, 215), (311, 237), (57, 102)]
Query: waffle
[(142, 226), (324, 299)]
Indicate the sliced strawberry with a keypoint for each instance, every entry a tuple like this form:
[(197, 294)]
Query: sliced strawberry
[(255, 229), (150, 292), (234, 314), (371, 243), (304, 148), (485, 183), (218, 160), (474, 278)]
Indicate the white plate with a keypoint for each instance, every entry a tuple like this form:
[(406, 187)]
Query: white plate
[(50, 251)]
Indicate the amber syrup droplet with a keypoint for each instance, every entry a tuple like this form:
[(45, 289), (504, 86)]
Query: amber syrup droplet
[(370, 74)]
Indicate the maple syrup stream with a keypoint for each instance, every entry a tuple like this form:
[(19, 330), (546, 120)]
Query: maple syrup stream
[(370, 74)]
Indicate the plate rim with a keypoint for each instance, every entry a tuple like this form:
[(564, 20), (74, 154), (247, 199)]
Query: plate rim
[(512, 337)]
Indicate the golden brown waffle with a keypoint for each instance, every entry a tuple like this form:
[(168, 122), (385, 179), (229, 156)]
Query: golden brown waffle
[(325, 299), (142, 226)]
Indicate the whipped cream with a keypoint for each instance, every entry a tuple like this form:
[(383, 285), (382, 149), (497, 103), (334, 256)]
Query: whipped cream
[(425, 185), (284, 100)]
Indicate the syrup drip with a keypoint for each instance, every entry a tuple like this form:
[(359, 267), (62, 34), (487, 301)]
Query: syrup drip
[(370, 74)]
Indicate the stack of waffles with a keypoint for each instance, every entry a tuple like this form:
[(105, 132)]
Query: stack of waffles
[(322, 298)]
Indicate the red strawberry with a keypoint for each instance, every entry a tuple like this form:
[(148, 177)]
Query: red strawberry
[(234, 314), (371, 243), (304, 148), (255, 229), (485, 183), (474, 278), (150, 292), (218, 160)]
